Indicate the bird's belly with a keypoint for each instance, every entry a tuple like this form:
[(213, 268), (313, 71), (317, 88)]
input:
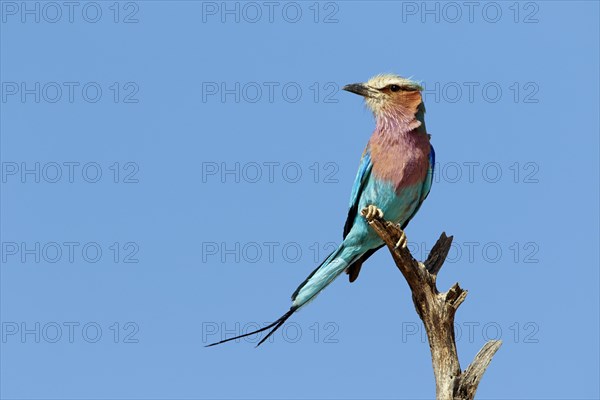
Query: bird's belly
[(397, 207)]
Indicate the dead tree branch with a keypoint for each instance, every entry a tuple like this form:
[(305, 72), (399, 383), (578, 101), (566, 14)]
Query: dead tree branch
[(437, 311)]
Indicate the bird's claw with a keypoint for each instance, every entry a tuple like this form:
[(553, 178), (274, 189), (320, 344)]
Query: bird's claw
[(371, 211), (402, 242)]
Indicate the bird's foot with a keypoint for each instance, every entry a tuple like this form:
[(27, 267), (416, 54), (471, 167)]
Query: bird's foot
[(371, 211), (402, 242)]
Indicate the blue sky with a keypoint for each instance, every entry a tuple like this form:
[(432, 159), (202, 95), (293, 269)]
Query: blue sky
[(171, 171)]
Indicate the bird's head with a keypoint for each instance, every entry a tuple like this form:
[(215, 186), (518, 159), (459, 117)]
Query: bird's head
[(389, 95)]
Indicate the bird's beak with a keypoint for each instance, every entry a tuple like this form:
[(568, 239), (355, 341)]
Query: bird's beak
[(360, 89)]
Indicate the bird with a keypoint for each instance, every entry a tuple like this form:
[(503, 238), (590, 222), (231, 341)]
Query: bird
[(394, 177)]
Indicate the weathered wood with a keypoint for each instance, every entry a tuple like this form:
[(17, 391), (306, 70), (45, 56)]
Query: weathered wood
[(472, 376), (437, 311)]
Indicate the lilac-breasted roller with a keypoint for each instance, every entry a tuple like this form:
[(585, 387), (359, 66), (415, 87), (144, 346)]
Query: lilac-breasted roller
[(393, 179)]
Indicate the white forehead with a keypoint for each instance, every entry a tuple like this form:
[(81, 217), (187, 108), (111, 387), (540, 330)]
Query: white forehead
[(381, 81)]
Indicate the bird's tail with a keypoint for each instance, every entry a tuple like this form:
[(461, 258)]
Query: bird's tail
[(318, 280), (275, 325), (325, 273)]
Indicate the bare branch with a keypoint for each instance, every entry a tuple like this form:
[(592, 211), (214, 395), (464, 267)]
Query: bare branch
[(470, 379), (438, 254), (437, 311)]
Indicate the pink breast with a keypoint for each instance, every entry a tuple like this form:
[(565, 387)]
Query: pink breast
[(403, 161)]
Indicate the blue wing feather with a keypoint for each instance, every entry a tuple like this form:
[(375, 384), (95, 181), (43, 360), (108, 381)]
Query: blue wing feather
[(429, 180), (362, 176)]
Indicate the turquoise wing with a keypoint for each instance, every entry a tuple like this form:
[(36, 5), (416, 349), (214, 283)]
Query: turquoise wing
[(429, 179), (362, 176)]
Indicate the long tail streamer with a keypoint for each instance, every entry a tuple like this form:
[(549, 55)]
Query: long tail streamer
[(275, 325)]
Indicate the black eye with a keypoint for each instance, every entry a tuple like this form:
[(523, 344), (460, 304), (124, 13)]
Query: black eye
[(394, 88)]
